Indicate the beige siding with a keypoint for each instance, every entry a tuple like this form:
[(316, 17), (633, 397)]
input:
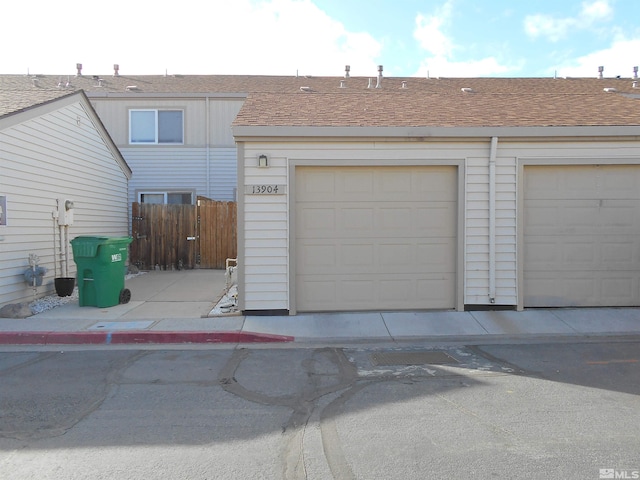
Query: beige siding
[(477, 271), (114, 113), (477, 238), (222, 115), (262, 268), (208, 169), (55, 155), (265, 252)]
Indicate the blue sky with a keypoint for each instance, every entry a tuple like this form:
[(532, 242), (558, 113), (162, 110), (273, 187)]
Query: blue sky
[(449, 38)]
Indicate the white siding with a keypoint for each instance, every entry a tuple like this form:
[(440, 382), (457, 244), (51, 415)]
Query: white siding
[(56, 155)]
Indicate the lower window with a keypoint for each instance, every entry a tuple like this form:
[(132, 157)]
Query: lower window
[(171, 198)]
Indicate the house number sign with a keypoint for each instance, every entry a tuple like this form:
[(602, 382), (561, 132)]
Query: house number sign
[(265, 189)]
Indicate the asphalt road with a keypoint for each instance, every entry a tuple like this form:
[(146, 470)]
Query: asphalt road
[(569, 411)]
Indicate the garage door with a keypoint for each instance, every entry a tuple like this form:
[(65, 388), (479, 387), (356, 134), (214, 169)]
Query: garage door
[(581, 236), (375, 238)]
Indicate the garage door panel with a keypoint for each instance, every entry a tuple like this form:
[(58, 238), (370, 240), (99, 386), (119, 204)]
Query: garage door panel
[(582, 242), (314, 220), (388, 244), (357, 256), (355, 293)]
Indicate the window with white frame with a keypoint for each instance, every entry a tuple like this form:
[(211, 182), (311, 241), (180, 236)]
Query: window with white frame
[(151, 126), (171, 198)]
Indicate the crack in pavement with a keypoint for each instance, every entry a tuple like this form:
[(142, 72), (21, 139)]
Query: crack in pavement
[(302, 404)]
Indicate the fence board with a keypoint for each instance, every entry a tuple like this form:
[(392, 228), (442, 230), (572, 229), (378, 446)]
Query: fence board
[(160, 235), (218, 234)]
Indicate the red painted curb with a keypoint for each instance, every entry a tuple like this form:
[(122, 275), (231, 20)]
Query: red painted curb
[(136, 337)]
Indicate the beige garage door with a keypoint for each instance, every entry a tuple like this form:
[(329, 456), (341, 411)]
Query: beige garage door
[(375, 238), (581, 236)]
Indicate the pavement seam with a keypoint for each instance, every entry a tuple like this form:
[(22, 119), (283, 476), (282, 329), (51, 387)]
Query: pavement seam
[(565, 323), (387, 327), (478, 322)]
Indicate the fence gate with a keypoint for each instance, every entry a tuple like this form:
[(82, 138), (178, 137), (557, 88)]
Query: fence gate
[(217, 232), (173, 237)]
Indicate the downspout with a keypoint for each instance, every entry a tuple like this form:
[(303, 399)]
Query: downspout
[(492, 219)]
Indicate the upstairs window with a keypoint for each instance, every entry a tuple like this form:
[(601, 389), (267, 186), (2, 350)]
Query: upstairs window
[(156, 127)]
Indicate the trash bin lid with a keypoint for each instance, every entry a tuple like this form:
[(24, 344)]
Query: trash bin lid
[(86, 246)]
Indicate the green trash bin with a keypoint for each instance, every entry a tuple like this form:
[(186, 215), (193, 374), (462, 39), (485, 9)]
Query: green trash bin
[(101, 269)]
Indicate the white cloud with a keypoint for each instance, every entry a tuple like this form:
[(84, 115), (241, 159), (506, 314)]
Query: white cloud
[(619, 59), (431, 34), (153, 36), (554, 29)]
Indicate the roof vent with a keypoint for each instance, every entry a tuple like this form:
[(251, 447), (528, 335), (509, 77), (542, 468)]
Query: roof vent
[(379, 82), (305, 89), (600, 70), (370, 83), (116, 70), (609, 89), (404, 84), (347, 69), (635, 72), (132, 88), (467, 90), (34, 81), (79, 68), (342, 85)]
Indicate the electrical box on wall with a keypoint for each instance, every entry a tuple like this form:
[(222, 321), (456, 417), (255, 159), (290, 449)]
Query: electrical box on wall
[(65, 211)]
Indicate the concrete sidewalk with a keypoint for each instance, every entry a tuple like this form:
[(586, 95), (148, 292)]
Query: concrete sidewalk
[(174, 307)]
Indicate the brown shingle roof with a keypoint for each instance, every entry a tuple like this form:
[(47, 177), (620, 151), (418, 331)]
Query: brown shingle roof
[(443, 109), (17, 100), (336, 101)]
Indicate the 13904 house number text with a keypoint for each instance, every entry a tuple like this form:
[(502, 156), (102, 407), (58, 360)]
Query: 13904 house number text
[(265, 189)]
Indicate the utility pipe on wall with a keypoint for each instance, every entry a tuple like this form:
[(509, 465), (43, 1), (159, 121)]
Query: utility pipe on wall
[(492, 219)]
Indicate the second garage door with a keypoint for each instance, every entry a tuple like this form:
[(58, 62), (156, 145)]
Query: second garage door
[(375, 238), (581, 235)]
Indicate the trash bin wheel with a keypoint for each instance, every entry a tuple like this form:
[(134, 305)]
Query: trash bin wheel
[(125, 295)]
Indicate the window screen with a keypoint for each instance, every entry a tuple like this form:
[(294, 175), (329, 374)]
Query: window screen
[(143, 126)]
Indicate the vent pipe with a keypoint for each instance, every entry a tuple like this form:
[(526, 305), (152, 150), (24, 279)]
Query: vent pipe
[(635, 72), (370, 83), (79, 68), (347, 69), (116, 70), (600, 70), (379, 82)]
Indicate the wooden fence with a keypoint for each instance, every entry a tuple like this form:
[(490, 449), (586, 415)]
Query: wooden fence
[(173, 237)]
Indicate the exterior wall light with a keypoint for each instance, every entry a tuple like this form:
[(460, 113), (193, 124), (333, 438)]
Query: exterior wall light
[(263, 161)]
